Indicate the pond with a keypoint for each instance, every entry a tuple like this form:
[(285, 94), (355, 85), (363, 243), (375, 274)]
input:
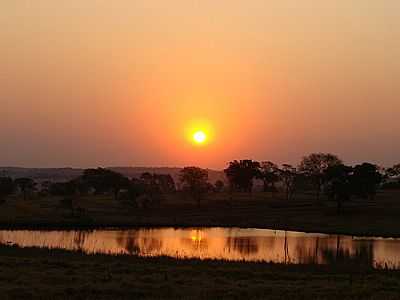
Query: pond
[(234, 244)]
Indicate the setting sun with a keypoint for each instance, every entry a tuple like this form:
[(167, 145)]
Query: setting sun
[(199, 137), (199, 132)]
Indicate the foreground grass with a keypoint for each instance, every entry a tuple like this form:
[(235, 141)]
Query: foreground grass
[(56, 274), (262, 210)]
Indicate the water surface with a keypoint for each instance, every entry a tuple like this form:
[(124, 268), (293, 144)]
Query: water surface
[(233, 244)]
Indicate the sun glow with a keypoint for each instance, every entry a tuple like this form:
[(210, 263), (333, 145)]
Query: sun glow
[(196, 236), (199, 137), (199, 132)]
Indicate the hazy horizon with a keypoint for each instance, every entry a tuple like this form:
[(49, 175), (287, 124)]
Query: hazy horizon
[(101, 83)]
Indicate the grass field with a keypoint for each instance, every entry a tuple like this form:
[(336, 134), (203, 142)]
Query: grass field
[(56, 274), (263, 210)]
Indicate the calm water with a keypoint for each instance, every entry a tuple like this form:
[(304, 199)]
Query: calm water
[(218, 243)]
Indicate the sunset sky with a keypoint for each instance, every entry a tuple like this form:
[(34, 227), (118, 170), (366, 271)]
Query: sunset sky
[(111, 83)]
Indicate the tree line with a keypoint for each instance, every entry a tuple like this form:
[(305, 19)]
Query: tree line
[(320, 173)]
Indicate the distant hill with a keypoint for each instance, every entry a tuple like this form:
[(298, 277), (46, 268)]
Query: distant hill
[(64, 174), (41, 174)]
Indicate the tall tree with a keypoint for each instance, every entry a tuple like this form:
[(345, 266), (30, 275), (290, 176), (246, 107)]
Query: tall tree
[(166, 183), (339, 188), (195, 182), (287, 174), (156, 185), (269, 174), (366, 179), (104, 180), (163, 183), (314, 166), (241, 174)]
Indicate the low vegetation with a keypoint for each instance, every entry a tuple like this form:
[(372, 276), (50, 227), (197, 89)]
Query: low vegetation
[(378, 216), (55, 274)]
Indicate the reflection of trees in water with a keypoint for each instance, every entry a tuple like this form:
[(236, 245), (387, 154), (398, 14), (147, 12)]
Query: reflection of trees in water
[(337, 250), (79, 238), (3, 238), (286, 249), (197, 242), (195, 245), (243, 245), (362, 253), (307, 250), (365, 253), (136, 242), (150, 245), (127, 239)]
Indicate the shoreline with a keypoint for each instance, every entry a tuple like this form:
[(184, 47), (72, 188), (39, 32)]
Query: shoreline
[(137, 225), (371, 219)]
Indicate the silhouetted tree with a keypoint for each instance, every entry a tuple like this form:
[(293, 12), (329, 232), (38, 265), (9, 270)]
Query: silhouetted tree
[(269, 174), (338, 180), (166, 183), (156, 185), (394, 172), (104, 180), (365, 180), (163, 183), (314, 166), (195, 182), (81, 186), (302, 182), (241, 174), (25, 185), (147, 178), (150, 184), (219, 186), (287, 174), (118, 182), (6, 188), (96, 179), (68, 191), (392, 177)]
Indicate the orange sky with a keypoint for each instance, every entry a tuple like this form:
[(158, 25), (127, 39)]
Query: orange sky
[(96, 82)]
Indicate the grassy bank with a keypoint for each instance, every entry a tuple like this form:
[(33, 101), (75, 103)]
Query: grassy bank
[(262, 210), (52, 274)]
